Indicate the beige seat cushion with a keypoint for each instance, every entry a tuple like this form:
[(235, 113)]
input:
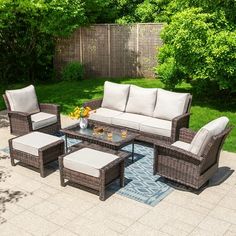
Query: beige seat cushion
[(42, 119), (129, 120), (88, 161), (141, 100), (182, 145), (104, 115), (115, 96), (23, 100), (156, 126), (32, 142), (204, 135), (170, 105)]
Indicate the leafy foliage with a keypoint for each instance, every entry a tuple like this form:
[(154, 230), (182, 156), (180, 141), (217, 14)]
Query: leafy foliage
[(73, 71), (199, 48), (28, 29)]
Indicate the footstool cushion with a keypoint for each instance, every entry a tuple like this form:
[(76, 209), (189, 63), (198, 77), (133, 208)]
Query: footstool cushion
[(36, 149), (32, 142), (88, 161), (93, 166)]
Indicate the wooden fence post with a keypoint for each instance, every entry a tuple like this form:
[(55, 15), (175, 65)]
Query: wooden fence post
[(109, 49), (80, 46), (137, 52)]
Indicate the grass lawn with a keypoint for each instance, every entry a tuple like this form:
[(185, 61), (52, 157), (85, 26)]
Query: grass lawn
[(70, 94)]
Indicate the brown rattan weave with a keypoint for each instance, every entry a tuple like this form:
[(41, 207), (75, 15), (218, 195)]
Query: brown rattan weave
[(20, 122), (46, 155), (185, 167), (177, 123), (108, 173)]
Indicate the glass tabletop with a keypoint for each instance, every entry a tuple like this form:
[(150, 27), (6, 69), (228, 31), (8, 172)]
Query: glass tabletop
[(103, 134)]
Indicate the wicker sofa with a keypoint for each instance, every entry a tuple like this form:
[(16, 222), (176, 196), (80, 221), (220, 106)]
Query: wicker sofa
[(154, 114), (26, 114), (194, 158)]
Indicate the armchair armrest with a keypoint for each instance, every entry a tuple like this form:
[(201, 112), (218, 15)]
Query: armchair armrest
[(179, 122), (186, 135), (177, 153), (50, 108), (20, 122), (18, 113), (93, 104)]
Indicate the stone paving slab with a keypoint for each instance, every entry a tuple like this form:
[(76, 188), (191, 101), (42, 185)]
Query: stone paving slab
[(31, 205)]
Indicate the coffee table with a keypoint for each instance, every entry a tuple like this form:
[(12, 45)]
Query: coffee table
[(87, 135)]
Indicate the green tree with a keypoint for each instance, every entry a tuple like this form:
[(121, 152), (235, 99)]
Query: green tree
[(28, 30), (199, 48)]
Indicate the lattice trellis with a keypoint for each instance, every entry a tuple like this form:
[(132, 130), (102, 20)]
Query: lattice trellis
[(111, 50)]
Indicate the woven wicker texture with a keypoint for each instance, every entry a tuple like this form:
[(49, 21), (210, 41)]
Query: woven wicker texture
[(108, 173), (183, 166)]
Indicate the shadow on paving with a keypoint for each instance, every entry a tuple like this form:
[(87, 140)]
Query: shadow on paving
[(222, 174), (7, 195)]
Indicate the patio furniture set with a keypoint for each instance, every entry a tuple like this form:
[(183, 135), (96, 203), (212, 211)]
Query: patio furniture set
[(152, 116)]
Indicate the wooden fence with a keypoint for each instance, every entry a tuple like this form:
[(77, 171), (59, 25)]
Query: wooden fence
[(111, 50)]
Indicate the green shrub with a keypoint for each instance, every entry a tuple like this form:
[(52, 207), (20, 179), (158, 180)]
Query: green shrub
[(199, 48), (73, 71)]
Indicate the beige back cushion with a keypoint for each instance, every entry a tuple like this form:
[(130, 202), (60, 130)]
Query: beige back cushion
[(115, 96), (170, 104), (203, 136), (141, 100), (23, 100)]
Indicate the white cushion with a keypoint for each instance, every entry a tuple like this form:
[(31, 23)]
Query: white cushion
[(204, 135), (104, 115), (182, 145), (23, 100), (141, 100), (128, 120), (156, 126), (170, 105), (88, 161), (115, 96), (42, 119), (32, 142)]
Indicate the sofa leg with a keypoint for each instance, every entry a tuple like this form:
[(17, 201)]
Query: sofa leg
[(13, 162)]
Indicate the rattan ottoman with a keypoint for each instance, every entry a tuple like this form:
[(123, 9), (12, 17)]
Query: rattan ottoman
[(93, 166), (36, 149)]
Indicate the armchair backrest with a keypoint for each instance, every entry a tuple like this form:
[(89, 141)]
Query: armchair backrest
[(22, 100), (204, 135), (212, 150), (6, 102), (190, 97)]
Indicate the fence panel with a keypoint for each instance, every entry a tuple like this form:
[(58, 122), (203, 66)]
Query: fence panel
[(111, 50)]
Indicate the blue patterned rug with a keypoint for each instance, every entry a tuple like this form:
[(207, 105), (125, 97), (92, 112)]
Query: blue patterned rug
[(140, 183)]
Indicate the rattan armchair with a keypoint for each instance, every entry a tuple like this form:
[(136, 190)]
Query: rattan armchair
[(185, 167), (21, 122)]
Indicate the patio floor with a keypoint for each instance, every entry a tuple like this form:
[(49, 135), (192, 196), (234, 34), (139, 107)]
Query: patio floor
[(45, 208)]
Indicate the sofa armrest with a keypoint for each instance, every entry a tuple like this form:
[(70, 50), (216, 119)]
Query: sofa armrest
[(177, 153), (186, 135), (93, 104), (50, 108), (179, 122)]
